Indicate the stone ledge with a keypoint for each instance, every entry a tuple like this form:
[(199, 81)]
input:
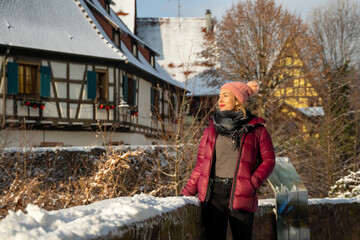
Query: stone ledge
[(181, 224), (327, 221)]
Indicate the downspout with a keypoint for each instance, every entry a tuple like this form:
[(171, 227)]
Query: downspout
[(4, 64)]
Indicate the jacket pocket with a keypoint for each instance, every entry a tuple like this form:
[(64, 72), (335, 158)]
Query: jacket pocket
[(255, 182)]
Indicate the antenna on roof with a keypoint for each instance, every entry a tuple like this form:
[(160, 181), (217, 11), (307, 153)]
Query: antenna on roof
[(179, 6)]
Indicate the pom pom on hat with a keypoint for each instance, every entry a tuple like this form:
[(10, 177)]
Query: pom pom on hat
[(242, 91)]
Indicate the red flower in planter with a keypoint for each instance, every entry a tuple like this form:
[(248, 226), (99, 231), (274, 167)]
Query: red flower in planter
[(35, 106), (112, 106), (134, 113), (101, 106), (42, 106), (107, 107), (27, 103)]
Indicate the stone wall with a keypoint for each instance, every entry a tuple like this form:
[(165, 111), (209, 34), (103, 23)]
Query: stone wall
[(182, 224), (331, 220), (327, 221)]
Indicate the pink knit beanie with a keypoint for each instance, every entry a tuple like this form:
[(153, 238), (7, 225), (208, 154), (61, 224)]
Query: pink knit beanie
[(242, 91)]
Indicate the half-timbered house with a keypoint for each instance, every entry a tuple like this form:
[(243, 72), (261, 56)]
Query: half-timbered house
[(72, 74)]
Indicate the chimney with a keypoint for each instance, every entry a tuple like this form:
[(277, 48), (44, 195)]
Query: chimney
[(208, 21)]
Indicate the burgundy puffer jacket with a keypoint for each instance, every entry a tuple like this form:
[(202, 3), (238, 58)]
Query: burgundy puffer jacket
[(255, 144)]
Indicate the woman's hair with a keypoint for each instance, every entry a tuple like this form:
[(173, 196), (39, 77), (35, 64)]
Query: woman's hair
[(238, 107)]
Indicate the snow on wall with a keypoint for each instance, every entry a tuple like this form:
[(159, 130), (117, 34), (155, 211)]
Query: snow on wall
[(87, 222), (101, 218)]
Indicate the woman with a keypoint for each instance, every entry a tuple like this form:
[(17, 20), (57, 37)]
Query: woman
[(235, 157)]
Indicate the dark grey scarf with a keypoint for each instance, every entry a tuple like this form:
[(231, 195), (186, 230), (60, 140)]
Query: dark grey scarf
[(232, 124)]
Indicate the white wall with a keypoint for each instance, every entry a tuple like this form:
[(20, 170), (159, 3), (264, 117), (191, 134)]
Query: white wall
[(77, 71), (58, 69), (2, 85), (31, 138), (144, 103)]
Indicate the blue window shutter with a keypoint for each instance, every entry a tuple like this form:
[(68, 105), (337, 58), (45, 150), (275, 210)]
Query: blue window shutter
[(45, 78), (12, 78), (134, 92), (125, 88), (91, 84)]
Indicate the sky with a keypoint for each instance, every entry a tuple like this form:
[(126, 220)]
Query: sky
[(191, 8)]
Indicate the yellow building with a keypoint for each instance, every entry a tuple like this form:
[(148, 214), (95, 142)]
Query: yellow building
[(298, 97), (297, 91)]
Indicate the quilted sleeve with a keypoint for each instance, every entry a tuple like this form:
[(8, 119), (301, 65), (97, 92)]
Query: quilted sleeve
[(190, 188)]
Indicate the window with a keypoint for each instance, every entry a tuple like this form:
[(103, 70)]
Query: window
[(102, 86), (172, 107), (134, 48), (28, 79), (129, 90), (155, 94), (152, 61), (97, 85), (107, 5), (116, 38)]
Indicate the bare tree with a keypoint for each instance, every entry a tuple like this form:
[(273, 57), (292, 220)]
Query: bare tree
[(258, 40), (337, 30), (337, 33), (181, 130)]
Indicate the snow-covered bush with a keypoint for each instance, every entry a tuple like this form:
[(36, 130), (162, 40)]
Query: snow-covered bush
[(347, 187)]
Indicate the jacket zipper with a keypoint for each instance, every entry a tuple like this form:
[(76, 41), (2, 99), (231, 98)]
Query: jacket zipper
[(237, 169)]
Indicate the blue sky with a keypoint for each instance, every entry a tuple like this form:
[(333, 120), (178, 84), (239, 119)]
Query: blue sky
[(197, 8)]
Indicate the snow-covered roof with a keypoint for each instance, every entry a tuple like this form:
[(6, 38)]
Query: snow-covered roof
[(51, 25), (112, 16), (140, 62), (178, 41), (67, 26), (312, 111), (198, 86)]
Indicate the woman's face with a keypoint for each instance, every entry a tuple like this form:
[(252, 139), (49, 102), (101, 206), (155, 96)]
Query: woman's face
[(227, 100)]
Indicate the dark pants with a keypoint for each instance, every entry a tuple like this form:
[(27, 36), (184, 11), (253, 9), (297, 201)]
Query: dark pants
[(216, 215)]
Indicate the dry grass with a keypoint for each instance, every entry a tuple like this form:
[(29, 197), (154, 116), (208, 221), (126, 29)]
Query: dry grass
[(56, 182)]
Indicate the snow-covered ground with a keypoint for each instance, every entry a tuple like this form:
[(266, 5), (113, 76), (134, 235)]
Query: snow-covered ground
[(100, 218), (89, 221)]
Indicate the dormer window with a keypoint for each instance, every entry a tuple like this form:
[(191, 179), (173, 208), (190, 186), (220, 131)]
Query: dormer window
[(107, 5), (134, 48), (152, 60), (116, 38)]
